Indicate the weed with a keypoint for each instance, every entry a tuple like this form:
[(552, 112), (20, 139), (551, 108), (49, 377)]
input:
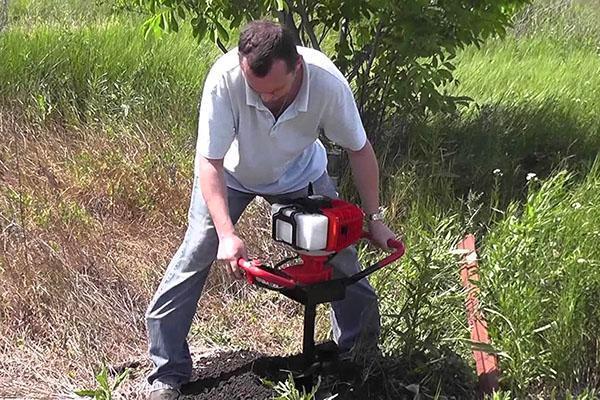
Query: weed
[(105, 389), (287, 390)]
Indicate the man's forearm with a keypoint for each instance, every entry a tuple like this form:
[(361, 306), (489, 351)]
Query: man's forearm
[(365, 172), (214, 191)]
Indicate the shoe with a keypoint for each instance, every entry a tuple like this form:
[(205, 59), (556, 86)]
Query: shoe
[(164, 394)]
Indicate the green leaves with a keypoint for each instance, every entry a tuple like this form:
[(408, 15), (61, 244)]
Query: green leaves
[(396, 54), (281, 6), (163, 20), (105, 390), (221, 32)]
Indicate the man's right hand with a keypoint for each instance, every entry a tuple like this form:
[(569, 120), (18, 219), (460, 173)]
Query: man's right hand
[(232, 248)]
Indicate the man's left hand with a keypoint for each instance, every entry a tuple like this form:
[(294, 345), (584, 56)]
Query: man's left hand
[(380, 234)]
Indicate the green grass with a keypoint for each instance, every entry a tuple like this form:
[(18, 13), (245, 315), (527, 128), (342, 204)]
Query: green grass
[(103, 73), (536, 108), (422, 303), (28, 12), (536, 111), (560, 81), (541, 279)]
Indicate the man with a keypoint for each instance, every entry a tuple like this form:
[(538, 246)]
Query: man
[(262, 109)]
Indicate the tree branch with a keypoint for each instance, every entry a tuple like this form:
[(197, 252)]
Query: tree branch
[(286, 19), (324, 33), (307, 26), (221, 46), (374, 46)]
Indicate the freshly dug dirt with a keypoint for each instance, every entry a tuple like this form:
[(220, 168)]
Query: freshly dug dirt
[(242, 375), (227, 376)]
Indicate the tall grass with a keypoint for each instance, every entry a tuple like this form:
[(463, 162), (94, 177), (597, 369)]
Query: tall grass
[(536, 111), (87, 225), (31, 13), (536, 104), (104, 73), (541, 282)]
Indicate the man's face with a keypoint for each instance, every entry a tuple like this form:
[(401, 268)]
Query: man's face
[(274, 86)]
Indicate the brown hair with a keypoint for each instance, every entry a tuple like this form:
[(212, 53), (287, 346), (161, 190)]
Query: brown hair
[(262, 42)]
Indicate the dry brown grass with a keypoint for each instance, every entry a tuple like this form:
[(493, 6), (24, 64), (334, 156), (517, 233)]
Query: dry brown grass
[(88, 222)]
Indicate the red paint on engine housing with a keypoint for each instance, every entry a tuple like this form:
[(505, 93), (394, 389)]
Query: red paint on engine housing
[(345, 227), (345, 224), (312, 270)]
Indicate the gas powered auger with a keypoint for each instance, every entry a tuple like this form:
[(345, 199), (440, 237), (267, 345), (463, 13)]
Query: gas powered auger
[(317, 228)]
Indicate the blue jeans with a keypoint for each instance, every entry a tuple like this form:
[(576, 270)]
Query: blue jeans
[(169, 315)]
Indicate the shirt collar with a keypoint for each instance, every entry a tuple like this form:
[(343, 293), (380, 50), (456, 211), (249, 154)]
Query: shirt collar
[(252, 98), (302, 96)]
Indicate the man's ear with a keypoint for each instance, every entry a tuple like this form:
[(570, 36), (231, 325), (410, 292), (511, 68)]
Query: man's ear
[(298, 62)]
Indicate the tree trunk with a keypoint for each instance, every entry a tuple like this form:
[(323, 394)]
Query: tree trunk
[(287, 19)]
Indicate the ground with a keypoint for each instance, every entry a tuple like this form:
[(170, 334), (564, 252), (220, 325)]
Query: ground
[(226, 374)]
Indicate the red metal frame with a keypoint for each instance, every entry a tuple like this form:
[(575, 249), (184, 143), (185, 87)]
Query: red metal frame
[(312, 270)]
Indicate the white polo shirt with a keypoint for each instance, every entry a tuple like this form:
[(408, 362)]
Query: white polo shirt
[(267, 156)]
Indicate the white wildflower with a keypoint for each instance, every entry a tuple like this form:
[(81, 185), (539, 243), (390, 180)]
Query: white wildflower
[(531, 176), (576, 205)]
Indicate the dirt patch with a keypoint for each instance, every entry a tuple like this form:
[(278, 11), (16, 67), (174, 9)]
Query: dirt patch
[(243, 374), (229, 375)]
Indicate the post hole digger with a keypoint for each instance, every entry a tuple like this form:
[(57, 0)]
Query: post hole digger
[(316, 228)]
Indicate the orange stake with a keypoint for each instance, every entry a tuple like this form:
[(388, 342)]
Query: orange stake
[(486, 364)]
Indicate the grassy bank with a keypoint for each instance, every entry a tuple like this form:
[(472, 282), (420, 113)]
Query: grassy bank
[(536, 100), (95, 174), (541, 283), (103, 73)]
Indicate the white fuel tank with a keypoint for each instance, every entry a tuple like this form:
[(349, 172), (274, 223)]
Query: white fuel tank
[(311, 229)]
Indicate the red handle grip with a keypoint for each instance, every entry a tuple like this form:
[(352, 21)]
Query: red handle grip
[(394, 244), (253, 271), (399, 252)]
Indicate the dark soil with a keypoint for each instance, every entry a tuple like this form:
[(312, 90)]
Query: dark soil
[(243, 375)]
